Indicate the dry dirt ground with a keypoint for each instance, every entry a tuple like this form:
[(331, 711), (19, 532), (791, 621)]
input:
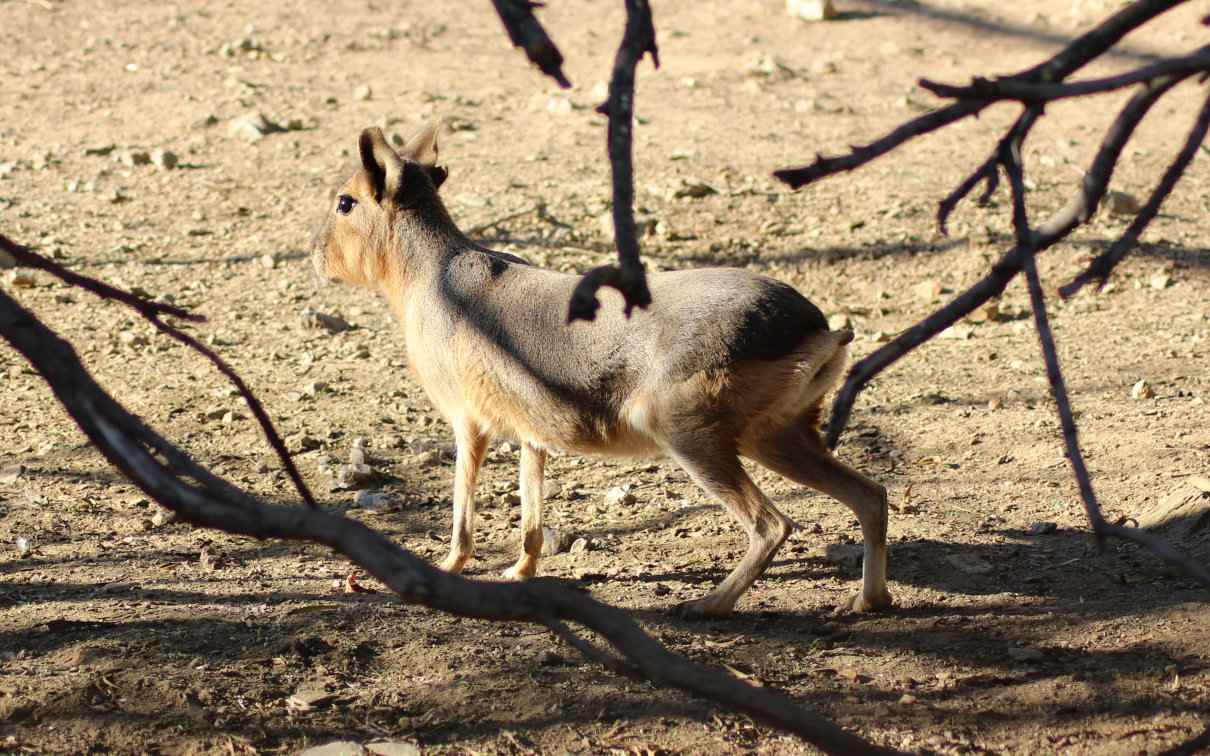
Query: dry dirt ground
[(117, 635)]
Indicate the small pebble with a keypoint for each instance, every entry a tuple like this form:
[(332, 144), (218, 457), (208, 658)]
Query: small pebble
[(165, 159)]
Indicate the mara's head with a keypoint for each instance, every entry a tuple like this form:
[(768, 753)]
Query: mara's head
[(360, 224)]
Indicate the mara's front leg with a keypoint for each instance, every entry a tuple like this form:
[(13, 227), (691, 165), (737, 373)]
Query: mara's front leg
[(471, 444), (533, 468)]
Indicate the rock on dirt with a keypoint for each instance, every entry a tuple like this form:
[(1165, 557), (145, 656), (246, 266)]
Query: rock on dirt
[(619, 496), (1183, 512), (1122, 204), (316, 320), (373, 501), (335, 748), (353, 477), (133, 158), (556, 541), (1142, 390), (392, 748), (252, 127), (309, 697), (165, 159), (20, 279), (423, 459), (690, 188), (811, 10)]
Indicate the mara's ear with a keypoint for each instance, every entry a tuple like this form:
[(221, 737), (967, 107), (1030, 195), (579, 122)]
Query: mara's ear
[(383, 165), (422, 149)]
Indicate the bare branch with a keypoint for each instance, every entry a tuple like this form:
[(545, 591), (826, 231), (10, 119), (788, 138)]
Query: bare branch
[(989, 172), (1054, 229), (1161, 548), (1071, 442), (629, 277), (527, 32), (144, 307), (859, 156), (1069, 60), (199, 497), (993, 90), (1100, 268), (152, 312)]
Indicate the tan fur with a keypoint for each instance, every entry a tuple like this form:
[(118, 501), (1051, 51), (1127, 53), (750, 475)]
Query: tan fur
[(724, 363)]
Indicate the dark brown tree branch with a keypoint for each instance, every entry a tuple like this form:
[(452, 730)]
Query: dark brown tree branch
[(1069, 60), (174, 480), (989, 172), (858, 156), (1054, 229), (1010, 155), (1102, 266), (526, 32), (153, 311), (993, 90), (628, 277)]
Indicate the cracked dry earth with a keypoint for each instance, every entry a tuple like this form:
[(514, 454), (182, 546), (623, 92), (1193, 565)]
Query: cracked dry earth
[(121, 632)]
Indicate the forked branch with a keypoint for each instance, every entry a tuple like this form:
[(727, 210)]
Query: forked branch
[(1036, 87), (152, 312), (172, 478), (628, 276), (1067, 61), (1054, 229)]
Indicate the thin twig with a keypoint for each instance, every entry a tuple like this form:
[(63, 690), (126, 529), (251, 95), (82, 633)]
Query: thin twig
[(199, 497), (145, 307), (988, 171), (1100, 268), (473, 230), (527, 32), (628, 277), (1058, 389), (993, 90), (590, 651), (153, 311)]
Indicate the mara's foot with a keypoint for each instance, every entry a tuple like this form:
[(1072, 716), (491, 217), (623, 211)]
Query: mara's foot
[(454, 563), (522, 570), (859, 603), (704, 608)]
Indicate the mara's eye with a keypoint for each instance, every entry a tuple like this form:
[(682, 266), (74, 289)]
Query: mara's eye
[(345, 204)]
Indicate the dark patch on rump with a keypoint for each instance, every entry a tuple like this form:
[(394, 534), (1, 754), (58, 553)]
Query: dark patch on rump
[(775, 323)]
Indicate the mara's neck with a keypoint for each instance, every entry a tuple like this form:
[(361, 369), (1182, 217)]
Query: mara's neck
[(424, 241)]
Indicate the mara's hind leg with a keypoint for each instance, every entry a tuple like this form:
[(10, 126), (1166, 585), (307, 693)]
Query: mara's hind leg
[(800, 455), (719, 472)]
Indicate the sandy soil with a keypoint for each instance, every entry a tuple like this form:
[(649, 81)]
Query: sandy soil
[(116, 635)]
